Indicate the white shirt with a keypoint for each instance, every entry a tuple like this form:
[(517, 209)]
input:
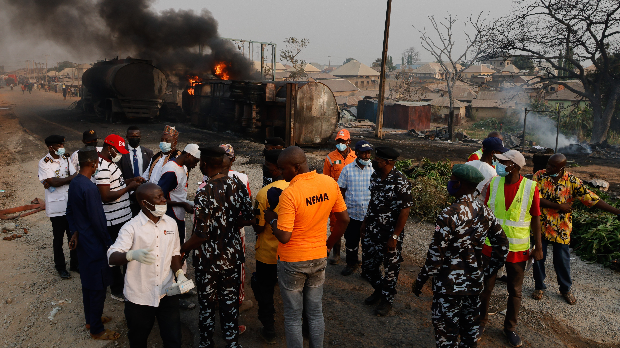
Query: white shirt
[(147, 284), (55, 202), (487, 171), (76, 163), (157, 171), (118, 211), (179, 194), (139, 155)]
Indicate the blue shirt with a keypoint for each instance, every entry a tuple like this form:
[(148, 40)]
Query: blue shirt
[(85, 215), (357, 183)]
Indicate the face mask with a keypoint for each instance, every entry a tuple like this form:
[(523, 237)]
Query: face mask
[(556, 174), (500, 169), (116, 158), (341, 147), (160, 209), (165, 147), (364, 162), (60, 151), (133, 142), (452, 191)]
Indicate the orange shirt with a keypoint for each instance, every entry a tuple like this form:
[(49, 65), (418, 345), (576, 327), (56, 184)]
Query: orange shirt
[(334, 162), (304, 208)]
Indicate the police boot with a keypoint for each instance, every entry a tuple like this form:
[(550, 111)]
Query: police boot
[(383, 308), (335, 254)]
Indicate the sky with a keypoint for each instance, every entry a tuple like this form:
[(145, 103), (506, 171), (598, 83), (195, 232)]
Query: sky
[(338, 28)]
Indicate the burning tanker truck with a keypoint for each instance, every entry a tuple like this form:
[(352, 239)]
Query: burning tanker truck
[(123, 88), (301, 112)]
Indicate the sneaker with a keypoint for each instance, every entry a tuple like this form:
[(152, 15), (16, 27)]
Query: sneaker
[(348, 270), (119, 297), (383, 308), (64, 274), (268, 335), (374, 298), (513, 338)]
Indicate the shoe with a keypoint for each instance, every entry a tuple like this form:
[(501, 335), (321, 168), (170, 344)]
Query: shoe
[(246, 305), (538, 294), (242, 329), (348, 270), (268, 335), (570, 298), (74, 269), (334, 260), (184, 304), (119, 297), (374, 298), (513, 338), (503, 279), (383, 308), (64, 274)]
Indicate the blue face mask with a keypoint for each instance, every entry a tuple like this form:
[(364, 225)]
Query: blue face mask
[(60, 151), (452, 191), (556, 174), (341, 147), (364, 162), (500, 169), (165, 147)]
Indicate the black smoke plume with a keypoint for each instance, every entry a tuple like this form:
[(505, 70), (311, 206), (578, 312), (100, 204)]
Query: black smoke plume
[(109, 28)]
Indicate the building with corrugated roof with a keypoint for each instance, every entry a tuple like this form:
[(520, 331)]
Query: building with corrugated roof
[(361, 75)]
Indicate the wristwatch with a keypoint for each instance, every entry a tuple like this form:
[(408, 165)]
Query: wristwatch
[(272, 221), (394, 236)]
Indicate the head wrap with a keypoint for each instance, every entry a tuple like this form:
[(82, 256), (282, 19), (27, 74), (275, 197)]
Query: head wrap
[(174, 133), (229, 150)]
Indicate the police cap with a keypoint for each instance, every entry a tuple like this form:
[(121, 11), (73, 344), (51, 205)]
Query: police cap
[(54, 139), (386, 153), (211, 152)]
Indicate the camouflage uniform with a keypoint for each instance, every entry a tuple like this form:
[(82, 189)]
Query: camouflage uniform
[(454, 260), (219, 205), (387, 198)]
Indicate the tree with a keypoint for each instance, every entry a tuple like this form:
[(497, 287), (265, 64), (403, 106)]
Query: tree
[(63, 65), (570, 35), (389, 65), (452, 63), (347, 60), (411, 56), (523, 63), (289, 54)]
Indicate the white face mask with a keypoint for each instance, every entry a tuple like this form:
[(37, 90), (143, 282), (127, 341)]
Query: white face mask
[(160, 209), (117, 157)]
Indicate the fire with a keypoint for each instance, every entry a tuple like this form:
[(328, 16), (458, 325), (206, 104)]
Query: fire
[(221, 71), (190, 91), (193, 80)]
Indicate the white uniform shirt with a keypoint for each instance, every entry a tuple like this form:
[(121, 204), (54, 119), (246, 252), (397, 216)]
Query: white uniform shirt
[(487, 171), (156, 172), (56, 202), (179, 194), (147, 284), (118, 211), (139, 155), (76, 163)]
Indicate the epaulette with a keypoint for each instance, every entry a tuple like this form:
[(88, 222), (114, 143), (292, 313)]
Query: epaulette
[(47, 159), (66, 155)]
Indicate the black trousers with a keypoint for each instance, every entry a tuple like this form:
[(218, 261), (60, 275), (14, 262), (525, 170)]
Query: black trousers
[(352, 238), (140, 320), (118, 281), (60, 227), (93, 308), (263, 283)]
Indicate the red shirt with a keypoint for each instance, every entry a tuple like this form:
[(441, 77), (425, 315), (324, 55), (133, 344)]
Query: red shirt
[(510, 191)]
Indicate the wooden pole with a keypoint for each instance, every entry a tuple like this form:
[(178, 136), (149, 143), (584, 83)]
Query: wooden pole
[(524, 123), (386, 34), (557, 135), (291, 102)]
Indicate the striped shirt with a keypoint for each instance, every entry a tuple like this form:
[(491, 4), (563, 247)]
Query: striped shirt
[(118, 211), (357, 183)]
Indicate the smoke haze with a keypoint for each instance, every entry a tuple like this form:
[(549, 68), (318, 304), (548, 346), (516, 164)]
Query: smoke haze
[(96, 29), (545, 130)]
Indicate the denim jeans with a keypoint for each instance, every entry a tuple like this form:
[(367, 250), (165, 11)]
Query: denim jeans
[(301, 288), (561, 263)]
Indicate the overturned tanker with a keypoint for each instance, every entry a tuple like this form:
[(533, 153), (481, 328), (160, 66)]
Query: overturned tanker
[(302, 113), (131, 88)]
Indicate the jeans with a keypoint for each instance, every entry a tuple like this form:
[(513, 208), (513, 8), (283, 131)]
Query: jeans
[(514, 284), (301, 288), (118, 281), (263, 284), (140, 320), (352, 238), (561, 263), (60, 227)]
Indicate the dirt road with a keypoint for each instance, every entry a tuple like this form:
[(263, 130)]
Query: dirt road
[(31, 289)]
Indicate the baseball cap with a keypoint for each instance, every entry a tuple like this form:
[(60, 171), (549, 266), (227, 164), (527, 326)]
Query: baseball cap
[(193, 150), (514, 156), (363, 146), (343, 134), (494, 144), (117, 142), (89, 135)]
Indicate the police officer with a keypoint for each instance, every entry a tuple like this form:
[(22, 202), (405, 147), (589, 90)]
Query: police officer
[(388, 209), (55, 173), (454, 260)]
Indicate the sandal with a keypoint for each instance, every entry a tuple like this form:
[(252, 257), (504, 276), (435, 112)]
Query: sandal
[(538, 294), (570, 298), (107, 335), (103, 321)]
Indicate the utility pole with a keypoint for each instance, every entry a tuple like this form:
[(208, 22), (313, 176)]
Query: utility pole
[(46, 68), (386, 34)]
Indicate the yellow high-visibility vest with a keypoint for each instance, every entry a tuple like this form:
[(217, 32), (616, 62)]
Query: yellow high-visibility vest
[(516, 219), (479, 153)]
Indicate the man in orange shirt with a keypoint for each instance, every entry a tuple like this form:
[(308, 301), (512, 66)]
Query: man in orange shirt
[(333, 165), (302, 253)]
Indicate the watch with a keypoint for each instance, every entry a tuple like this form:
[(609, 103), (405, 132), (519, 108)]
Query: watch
[(395, 236), (272, 221)]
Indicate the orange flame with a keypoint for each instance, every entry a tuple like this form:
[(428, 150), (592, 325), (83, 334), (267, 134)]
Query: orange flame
[(193, 80), (190, 91), (221, 71)]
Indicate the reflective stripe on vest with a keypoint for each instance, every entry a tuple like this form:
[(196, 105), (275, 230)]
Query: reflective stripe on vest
[(516, 219)]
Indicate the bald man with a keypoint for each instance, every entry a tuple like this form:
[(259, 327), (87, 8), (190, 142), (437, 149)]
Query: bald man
[(558, 190), (477, 156)]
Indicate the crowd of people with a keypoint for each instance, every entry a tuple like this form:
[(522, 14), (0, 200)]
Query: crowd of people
[(123, 209)]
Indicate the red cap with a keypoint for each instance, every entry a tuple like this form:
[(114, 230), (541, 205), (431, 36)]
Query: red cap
[(117, 142), (343, 134)]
